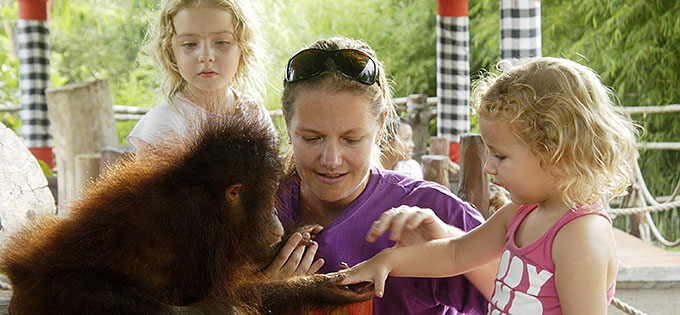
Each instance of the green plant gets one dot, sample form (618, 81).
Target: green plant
(11, 121)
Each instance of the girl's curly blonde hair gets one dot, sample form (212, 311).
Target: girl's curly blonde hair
(249, 77)
(561, 110)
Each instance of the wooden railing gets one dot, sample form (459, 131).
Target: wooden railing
(429, 105)
(419, 109)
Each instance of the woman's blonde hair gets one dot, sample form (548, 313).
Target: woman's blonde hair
(561, 110)
(379, 93)
(249, 77)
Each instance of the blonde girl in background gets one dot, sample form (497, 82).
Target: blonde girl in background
(406, 164)
(559, 145)
(396, 151)
(209, 54)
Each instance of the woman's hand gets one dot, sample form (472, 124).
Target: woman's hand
(296, 256)
(409, 225)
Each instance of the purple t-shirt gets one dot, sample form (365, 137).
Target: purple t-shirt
(344, 241)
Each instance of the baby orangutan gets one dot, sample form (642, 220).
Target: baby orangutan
(182, 229)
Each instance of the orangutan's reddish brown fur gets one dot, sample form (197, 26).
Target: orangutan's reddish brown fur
(184, 229)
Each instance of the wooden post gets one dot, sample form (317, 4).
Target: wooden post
(419, 116)
(634, 199)
(111, 155)
(439, 146)
(636, 221)
(474, 182)
(86, 170)
(436, 169)
(81, 118)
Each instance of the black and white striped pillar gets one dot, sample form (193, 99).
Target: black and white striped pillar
(520, 30)
(453, 73)
(34, 78)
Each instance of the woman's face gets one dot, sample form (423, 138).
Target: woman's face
(333, 134)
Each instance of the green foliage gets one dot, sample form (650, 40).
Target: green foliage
(401, 32)
(11, 121)
(124, 128)
(485, 35)
(45, 168)
(113, 33)
(9, 63)
(633, 45)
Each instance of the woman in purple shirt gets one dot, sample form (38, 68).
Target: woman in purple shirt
(336, 100)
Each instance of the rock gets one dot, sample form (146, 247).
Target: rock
(24, 193)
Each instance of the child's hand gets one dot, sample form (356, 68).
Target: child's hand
(329, 286)
(409, 225)
(374, 270)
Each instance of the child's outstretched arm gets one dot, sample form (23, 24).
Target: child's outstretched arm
(584, 254)
(436, 258)
(429, 259)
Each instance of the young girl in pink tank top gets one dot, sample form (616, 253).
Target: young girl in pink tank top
(561, 148)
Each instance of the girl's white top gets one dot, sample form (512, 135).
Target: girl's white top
(410, 167)
(173, 119)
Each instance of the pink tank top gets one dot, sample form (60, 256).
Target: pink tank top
(525, 282)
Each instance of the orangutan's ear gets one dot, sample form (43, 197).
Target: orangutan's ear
(233, 193)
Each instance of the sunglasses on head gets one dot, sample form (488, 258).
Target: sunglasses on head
(353, 63)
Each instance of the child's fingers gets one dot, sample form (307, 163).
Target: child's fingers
(383, 224)
(353, 276)
(415, 220)
(379, 285)
(376, 230)
(366, 271)
(398, 222)
(349, 276)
